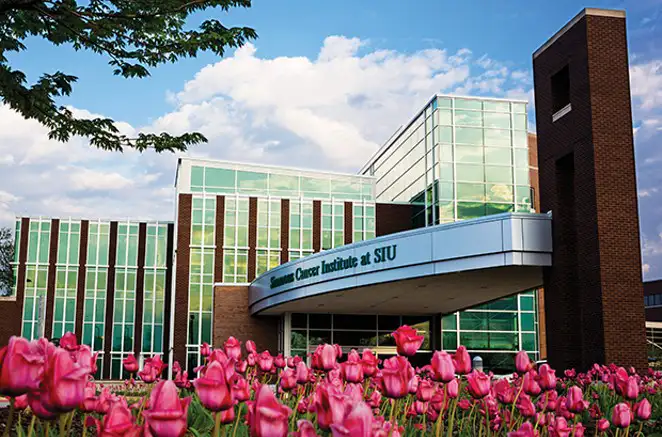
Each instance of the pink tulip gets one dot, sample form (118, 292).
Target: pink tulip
(118, 422)
(357, 423)
(305, 429)
(396, 374)
(530, 385)
(462, 361)
(268, 417)
(218, 355)
(36, 402)
(227, 416)
(352, 370)
(526, 430)
(251, 359)
(176, 368)
(232, 348)
(69, 342)
(21, 367)
(63, 381)
(523, 362)
(525, 406)
(620, 380)
(213, 389)
(21, 402)
(575, 401)
(241, 366)
(279, 362)
(603, 425)
(250, 347)
(547, 378)
(578, 430)
(375, 399)
(265, 361)
(152, 369)
(479, 384)
(105, 400)
(548, 402)
(407, 340)
(504, 392)
(302, 373)
(369, 362)
(167, 413)
(205, 350)
(452, 389)
(288, 379)
(181, 380)
(621, 416)
(425, 390)
(559, 428)
(84, 357)
(464, 404)
(90, 401)
(421, 407)
(325, 357)
(642, 409)
(130, 364)
(240, 389)
(330, 406)
(631, 390)
(442, 367)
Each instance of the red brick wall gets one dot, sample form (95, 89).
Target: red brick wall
(393, 217)
(317, 225)
(284, 230)
(349, 223)
(110, 300)
(140, 290)
(233, 319)
(252, 238)
(182, 277)
(82, 273)
(168, 288)
(593, 291)
(11, 311)
(220, 227)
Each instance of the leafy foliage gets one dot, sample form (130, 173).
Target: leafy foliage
(134, 34)
(6, 258)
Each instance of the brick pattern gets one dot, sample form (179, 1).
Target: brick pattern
(220, 227)
(110, 300)
(284, 230)
(182, 277)
(317, 225)
(349, 223)
(252, 238)
(168, 288)
(232, 303)
(11, 311)
(50, 284)
(594, 297)
(140, 290)
(82, 273)
(533, 170)
(392, 218)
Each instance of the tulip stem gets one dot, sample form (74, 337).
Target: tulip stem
(10, 419)
(31, 428)
(84, 425)
(63, 425)
(512, 409)
(217, 424)
(236, 422)
(487, 418)
(451, 419)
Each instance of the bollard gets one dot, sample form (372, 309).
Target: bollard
(477, 363)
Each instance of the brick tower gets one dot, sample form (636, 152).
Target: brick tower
(593, 292)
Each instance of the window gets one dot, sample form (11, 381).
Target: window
(66, 278)
(268, 235)
(560, 89)
(36, 278)
(201, 276)
(154, 288)
(364, 222)
(333, 224)
(301, 229)
(235, 242)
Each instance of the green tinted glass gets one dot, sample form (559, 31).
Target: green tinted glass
(468, 104)
(469, 135)
(496, 106)
(498, 120)
(468, 118)
(468, 154)
(220, 177)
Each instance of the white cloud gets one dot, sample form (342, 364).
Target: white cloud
(87, 179)
(646, 84)
(647, 193)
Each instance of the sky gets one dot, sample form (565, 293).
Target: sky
(323, 86)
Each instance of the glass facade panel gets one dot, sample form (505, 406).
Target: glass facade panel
(301, 229)
(333, 224)
(268, 235)
(235, 243)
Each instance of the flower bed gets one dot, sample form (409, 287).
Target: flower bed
(239, 393)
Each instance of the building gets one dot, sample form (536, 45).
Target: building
(438, 230)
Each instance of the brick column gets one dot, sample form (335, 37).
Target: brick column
(220, 227)
(252, 237)
(110, 300)
(349, 223)
(182, 278)
(50, 285)
(82, 273)
(317, 225)
(284, 231)
(11, 311)
(593, 291)
(140, 290)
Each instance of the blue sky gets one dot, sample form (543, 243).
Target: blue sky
(293, 96)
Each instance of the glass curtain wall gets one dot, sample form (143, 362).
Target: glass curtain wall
(36, 278)
(66, 278)
(126, 267)
(96, 287)
(333, 224)
(268, 235)
(301, 228)
(235, 240)
(363, 215)
(201, 277)
(154, 288)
